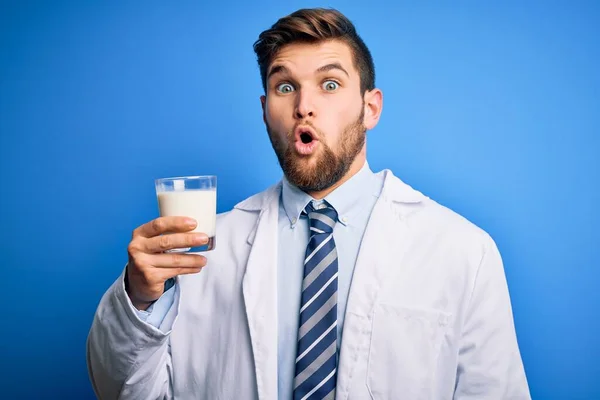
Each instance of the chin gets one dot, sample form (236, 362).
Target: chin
(306, 162)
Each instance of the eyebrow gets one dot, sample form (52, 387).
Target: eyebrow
(332, 66)
(325, 68)
(276, 70)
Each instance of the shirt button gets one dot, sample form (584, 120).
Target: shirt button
(294, 220)
(344, 219)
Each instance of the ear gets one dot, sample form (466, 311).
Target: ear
(263, 103)
(373, 106)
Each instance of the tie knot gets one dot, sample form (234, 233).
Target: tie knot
(321, 218)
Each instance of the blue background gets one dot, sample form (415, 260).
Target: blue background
(492, 110)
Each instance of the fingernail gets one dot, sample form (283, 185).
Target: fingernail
(190, 221)
(202, 238)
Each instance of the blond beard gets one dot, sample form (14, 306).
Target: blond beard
(329, 167)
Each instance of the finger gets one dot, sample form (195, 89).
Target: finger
(173, 272)
(179, 261)
(162, 225)
(172, 241)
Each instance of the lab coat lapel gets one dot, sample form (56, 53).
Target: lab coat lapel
(383, 246)
(260, 289)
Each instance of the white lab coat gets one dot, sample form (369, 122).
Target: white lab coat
(428, 314)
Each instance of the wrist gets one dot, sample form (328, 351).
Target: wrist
(138, 303)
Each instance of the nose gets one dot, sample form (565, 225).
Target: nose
(304, 105)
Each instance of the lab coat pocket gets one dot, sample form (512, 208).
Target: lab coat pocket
(404, 350)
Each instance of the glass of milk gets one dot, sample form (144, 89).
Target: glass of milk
(190, 196)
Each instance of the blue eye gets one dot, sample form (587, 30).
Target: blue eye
(285, 88)
(330, 86)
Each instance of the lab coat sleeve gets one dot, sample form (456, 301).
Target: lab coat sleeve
(128, 358)
(489, 363)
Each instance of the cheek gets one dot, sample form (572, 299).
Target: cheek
(275, 114)
(337, 121)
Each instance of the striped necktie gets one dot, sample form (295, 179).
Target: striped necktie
(316, 361)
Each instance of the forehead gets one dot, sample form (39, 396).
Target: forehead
(303, 58)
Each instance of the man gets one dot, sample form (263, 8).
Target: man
(335, 283)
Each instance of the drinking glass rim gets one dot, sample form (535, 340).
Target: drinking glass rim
(185, 177)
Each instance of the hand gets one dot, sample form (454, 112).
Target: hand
(149, 266)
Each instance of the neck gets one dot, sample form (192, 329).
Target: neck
(357, 164)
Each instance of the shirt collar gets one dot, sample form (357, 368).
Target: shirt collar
(346, 199)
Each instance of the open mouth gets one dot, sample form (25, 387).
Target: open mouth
(306, 137)
(306, 140)
(305, 134)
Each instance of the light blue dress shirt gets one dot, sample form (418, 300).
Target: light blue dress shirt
(353, 201)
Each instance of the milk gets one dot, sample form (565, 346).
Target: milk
(195, 203)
